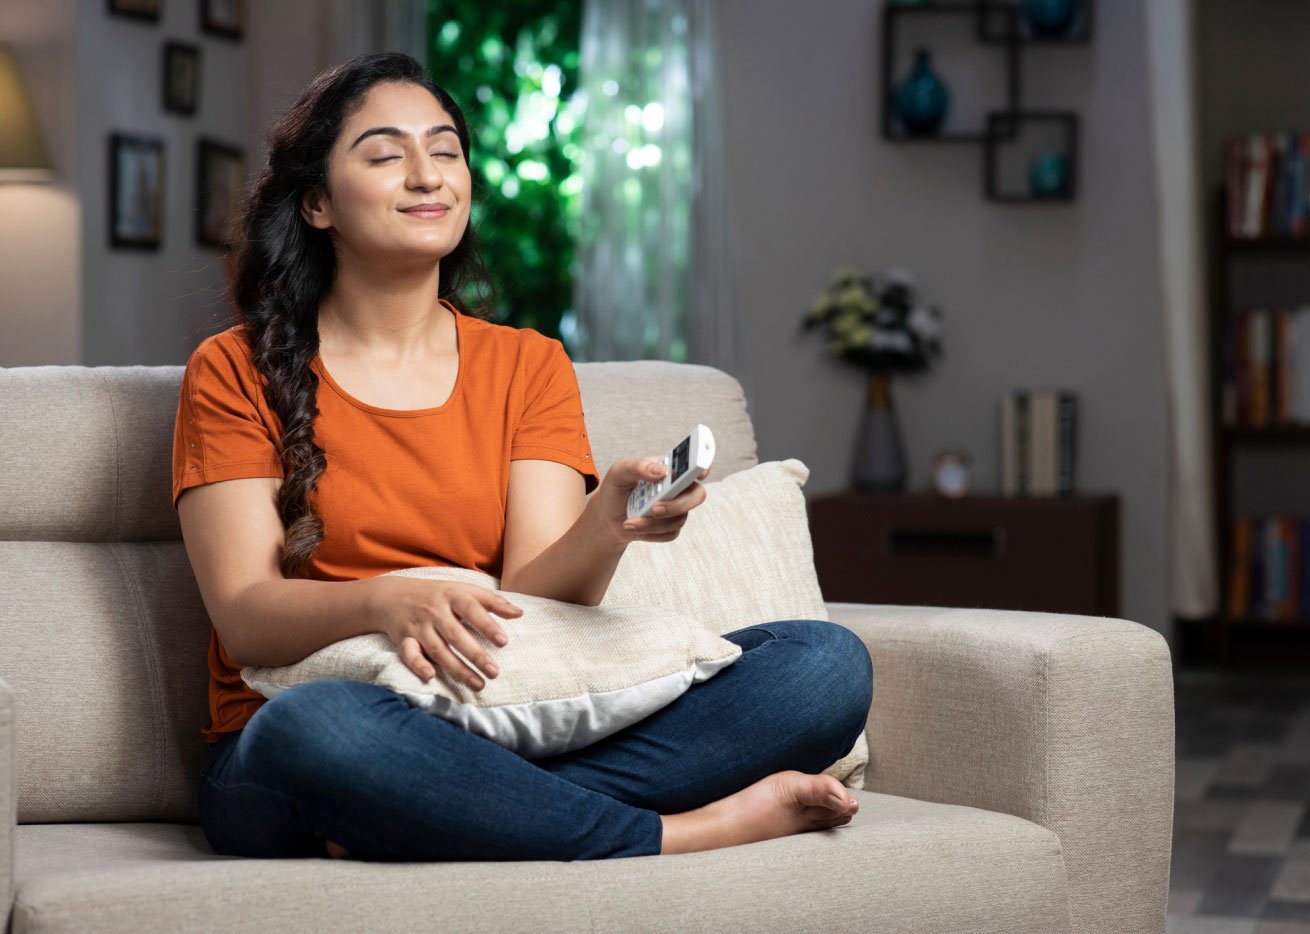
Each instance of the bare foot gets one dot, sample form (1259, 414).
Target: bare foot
(777, 805)
(336, 850)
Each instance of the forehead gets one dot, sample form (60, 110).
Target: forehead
(408, 106)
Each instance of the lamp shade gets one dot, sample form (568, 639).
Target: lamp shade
(22, 156)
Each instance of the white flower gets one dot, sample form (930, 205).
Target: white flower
(923, 321)
(891, 340)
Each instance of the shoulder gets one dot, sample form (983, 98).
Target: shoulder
(532, 348)
(224, 358)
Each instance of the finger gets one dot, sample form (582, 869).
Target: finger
(658, 536)
(448, 633)
(458, 636)
(472, 612)
(497, 604)
(412, 655)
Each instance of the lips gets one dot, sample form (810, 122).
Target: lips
(427, 210)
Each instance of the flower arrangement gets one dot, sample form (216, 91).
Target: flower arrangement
(878, 323)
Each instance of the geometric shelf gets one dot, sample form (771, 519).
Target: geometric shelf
(893, 66)
(1016, 140)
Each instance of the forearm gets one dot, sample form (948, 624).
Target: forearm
(576, 568)
(279, 622)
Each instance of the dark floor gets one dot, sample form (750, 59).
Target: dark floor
(1241, 856)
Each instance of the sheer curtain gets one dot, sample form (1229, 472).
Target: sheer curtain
(1195, 582)
(358, 26)
(654, 253)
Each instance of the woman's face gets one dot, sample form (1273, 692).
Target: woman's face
(388, 160)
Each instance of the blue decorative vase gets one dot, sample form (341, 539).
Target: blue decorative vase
(921, 100)
(1048, 176)
(1050, 18)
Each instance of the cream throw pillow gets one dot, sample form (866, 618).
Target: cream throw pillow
(744, 557)
(570, 675)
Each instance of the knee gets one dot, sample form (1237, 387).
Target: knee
(294, 730)
(843, 668)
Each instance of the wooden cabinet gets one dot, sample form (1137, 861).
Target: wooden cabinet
(1054, 554)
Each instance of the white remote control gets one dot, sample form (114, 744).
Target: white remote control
(689, 458)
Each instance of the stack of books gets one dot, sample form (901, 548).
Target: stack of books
(1038, 431)
(1269, 579)
(1265, 175)
(1266, 361)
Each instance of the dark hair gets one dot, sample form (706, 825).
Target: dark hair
(284, 266)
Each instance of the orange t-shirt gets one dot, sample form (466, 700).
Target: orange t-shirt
(402, 488)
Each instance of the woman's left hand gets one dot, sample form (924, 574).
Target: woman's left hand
(667, 517)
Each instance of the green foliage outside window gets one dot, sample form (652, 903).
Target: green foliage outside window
(513, 68)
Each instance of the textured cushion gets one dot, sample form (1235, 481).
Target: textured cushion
(569, 676)
(743, 558)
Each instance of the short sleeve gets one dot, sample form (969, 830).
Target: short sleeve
(552, 426)
(222, 431)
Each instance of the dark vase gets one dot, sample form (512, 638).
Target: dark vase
(1048, 176)
(922, 99)
(1050, 18)
(879, 457)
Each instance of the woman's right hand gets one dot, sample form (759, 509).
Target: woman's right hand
(424, 618)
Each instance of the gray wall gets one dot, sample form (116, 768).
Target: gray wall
(150, 307)
(1032, 295)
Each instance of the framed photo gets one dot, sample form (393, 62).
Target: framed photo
(136, 191)
(223, 17)
(136, 9)
(220, 181)
(181, 77)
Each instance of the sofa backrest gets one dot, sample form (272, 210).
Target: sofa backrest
(103, 634)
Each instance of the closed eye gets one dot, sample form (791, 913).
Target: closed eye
(448, 155)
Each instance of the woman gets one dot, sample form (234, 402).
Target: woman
(430, 435)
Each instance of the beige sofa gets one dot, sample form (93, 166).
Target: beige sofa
(1020, 775)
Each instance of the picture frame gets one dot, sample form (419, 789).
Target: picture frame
(147, 10)
(136, 191)
(220, 183)
(181, 77)
(226, 18)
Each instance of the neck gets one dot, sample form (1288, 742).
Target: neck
(384, 313)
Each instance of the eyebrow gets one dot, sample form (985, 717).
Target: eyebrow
(398, 133)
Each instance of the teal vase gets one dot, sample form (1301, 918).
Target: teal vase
(1048, 176)
(1050, 18)
(922, 99)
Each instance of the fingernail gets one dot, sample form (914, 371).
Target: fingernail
(501, 640)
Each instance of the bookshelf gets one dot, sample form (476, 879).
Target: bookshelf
(1241, 639)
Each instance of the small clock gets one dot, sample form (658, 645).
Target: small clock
(950, 473)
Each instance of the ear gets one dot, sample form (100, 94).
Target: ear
(314, 210)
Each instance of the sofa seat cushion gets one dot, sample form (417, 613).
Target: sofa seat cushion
(901, 864)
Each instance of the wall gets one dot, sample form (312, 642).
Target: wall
(40, 265)
(150, 307)
(1032, 295)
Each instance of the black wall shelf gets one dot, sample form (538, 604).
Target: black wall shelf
(995, 23)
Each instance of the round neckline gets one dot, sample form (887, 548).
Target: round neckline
(460, 349)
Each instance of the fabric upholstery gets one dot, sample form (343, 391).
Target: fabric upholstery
(901, 865)
(1019, 774)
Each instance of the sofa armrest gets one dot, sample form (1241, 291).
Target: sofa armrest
(1064, 720)
(8, 803)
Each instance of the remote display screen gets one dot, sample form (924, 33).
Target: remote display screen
(679, 460)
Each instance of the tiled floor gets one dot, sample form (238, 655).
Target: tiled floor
(1241, 856)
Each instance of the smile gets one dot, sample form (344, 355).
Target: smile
(430, 213)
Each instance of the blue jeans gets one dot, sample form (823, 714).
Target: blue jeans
(356, 764)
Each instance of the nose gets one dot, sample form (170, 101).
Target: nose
(426, 173)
